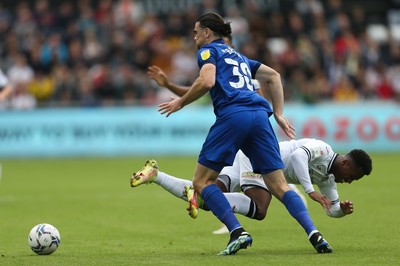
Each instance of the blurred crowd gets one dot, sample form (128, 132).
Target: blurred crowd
(95, 53)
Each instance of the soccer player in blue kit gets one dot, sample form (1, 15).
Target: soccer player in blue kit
(242, 122)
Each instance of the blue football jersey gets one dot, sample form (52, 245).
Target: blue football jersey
(233, 90)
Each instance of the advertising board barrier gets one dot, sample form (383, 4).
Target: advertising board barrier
(117, 131)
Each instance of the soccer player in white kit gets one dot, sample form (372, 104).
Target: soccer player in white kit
(308, 162)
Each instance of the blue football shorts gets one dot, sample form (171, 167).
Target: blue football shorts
(250, 131)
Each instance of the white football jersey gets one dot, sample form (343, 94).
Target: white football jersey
(320, 157)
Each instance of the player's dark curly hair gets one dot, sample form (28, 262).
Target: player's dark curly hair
(216, 23)
(362, 159)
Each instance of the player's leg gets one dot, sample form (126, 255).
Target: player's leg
(239, 202)
(253, 186)
(295, 189)
(182, 188)
(219, 150)
(253, 203)
(240, 177)
(194, 199)
(146, 175)
(263, 151)
(178, 187)
(261, 199)
(293, 203)
(204, 184)
(175, 186)
(255, 200)
(223, 182)
(150, 174)
(229, 181)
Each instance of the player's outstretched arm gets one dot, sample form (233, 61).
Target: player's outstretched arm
(159, 76)
(322, 199)
(201, 85)
(329, 189)
(300, 163)
(274, 90)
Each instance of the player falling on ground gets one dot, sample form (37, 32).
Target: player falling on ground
(308, 162)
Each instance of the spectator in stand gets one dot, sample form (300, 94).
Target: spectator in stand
(127, 12)
(344, 90)
(20, 74)
(53, 51)
(44, 17)
(65, 86)
(24, 27)
(41, 87)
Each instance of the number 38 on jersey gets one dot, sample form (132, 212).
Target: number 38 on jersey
(243, 74)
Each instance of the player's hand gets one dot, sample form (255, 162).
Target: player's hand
(158, 75)
(347, 207)
(171, 106)
(322, 199)
(286, 126)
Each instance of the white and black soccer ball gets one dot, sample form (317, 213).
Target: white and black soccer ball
(44, 239)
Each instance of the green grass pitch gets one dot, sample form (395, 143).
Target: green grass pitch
(103, 221)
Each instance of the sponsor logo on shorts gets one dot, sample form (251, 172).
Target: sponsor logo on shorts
(251, 175)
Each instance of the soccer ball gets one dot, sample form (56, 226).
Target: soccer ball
(44, 239)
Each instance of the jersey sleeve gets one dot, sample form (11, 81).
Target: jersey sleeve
(329, 189)
(206, 55)
(254, 66)
(336, 211)
(300, 159)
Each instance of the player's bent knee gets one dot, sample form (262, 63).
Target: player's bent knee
(261, 199)
(260, 215)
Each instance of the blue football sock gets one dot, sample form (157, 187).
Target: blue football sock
(298, 210)
(219, 205)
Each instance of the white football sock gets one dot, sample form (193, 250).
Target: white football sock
(241, 204)
(174, 185)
